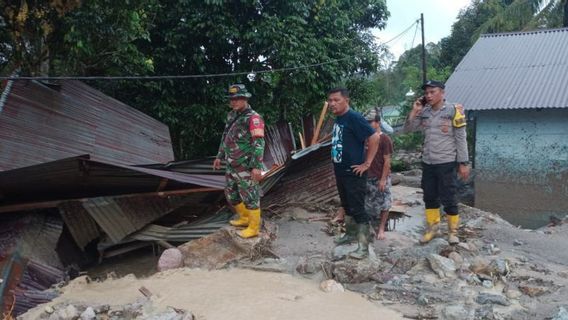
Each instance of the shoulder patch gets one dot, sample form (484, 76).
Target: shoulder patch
(256, 126)
(459, 116)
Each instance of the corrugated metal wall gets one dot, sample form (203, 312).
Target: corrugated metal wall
(40, 124)
(521, 164)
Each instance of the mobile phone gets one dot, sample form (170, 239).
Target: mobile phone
(422, 100)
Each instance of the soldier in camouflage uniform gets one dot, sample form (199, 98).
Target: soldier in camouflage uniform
(242, 148)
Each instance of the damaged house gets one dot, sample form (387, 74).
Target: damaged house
(84, 177)
(71, 188)
(514, 87)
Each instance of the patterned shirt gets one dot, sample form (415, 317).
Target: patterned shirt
(242, 145)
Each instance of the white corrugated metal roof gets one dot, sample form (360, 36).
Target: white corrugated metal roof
(513, 71)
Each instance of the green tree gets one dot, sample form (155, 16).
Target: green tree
(211, 37)
(150, 37)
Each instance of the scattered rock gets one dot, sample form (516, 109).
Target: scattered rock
(486, 298)
(468, 276)
(499, 266)
(484, 277)
(331, 286)
(382, 277)
(457, 313)
(355, 271)
(142, 309)
(513, 294)
(561, 315)
(49, 310)
(365, 288)
(518, 243)
(444, 267)
(487, 284)
(533, 291)
(464, 246)
(563, 274)
(88, 314)
(103, 308)
(68, 313)
(422, 300)
(494, 250)
(479, 265)
(456, 258)
(171, 258)
(485, 312)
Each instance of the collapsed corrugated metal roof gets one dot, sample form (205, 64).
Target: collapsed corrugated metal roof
(309, 178)
(28, 264)
(39, 124)
(80, 177)
(513, 71)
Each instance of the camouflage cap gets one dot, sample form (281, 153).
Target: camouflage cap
(238, 91)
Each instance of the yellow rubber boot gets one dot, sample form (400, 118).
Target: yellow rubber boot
(253, 226)
(432, 225)
(453, 223)
(243, 219)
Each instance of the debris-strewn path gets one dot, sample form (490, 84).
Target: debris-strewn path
(497, 272)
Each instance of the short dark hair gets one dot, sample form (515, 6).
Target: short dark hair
(343, 91)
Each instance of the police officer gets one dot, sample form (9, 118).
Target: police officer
(242, 148)
(445, 153)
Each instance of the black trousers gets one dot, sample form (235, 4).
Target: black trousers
(352, 189)
(439, 182)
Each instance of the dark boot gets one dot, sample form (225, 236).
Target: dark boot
(350, 232)
(363, 233)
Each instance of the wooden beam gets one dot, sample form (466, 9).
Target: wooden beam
(302, 142)
(320, 122)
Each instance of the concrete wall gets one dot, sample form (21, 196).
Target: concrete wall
(521, 164)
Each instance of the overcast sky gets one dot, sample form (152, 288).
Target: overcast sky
(439, 15)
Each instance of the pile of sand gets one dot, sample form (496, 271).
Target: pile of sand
(228, 294)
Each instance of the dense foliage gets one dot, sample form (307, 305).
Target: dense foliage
(198, 37)
(150, 37)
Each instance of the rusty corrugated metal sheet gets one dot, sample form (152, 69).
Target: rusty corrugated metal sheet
(119, 217)
(516, 70)
(40, 124)
(186, 232)
(310, 178)
(279, 144)
(82, 226)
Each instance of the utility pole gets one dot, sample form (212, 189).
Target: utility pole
(423, 49)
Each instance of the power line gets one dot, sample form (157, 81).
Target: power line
(190, 76)
(402, 33)
(414, 37)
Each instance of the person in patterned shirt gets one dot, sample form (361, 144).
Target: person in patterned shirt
(242, 148)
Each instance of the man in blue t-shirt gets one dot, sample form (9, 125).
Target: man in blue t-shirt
(350, 131)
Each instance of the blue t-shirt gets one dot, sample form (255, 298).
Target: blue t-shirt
(348, 140)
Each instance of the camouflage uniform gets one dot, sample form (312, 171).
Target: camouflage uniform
(242, 147)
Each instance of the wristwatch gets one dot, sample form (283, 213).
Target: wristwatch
(464, 163)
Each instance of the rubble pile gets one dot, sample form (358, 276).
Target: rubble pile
(142, 309)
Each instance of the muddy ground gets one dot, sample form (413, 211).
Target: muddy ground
(498, 272)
